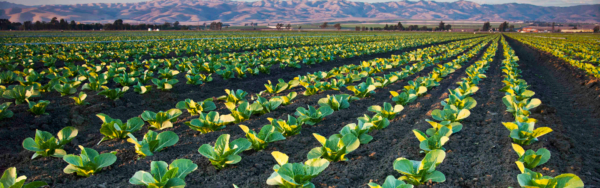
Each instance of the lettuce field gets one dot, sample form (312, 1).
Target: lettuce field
(299, 109)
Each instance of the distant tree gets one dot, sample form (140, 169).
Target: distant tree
(176, 25)
(442, 25)
(299, 27)
(424, 28)
(219, 25)
(73, 25)
(5, 24)
(512, 28)
(27, 25)
(278, 26)
(400, 27)
(63, 24)
(371, 28)
(486, 26)
(386, 27)
(323, 26)
(596, 29)
(357, 28)
(552, 26)
(575, 27)
(503, 26)
(448, 27)
(337, 26)
(54, 23)
(288, 26)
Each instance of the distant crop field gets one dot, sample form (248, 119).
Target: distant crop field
(299, 109)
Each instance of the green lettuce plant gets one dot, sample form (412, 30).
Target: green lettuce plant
(161, 120)
(224, 153)
(403, 98)
(21, 94)
(141, 88)
(421, 172)
(80, 99)
(532, 179)
(113, 94)
(88, 163)
(337, 102)
(312, 116)
(262, 139)
(243, 111)
(391, 182)
(116, 129)
(45, 144)
(530, 158)
(267, 105)
(164, 84)
(10, 180)
(295, 175)
(377, 121)
(433, 141)
(195, 108)
(235, 97)
(522, 131)
(362, 90)
(359, 130)
(286, 99)
(163, 175)
(4, 111)
(209, 122)
(38, 108)
(387, 111)
(153, 142)
(288, 128)
(335, 148)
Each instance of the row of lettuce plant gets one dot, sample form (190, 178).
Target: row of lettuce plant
(587, 60)
(519, 101)
(446, 121)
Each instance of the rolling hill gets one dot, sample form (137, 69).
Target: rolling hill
(296, 11)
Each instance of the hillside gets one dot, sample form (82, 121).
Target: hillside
(159, 11)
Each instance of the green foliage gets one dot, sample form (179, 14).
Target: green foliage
(4, 111)
(267, 105)
(161, 120)
(261, 139)
(335, 148)
(532, 179)
(337, 102)
(153, 142)
(295, 175)
(38, 108)
(459, 100)
(243, 111)
(21, 94)
(195, 108)
(287, 99)
(450, 113)
(45, 144)
(421, 172)
(210, 122)
(359, 131)
(433, 141)
(80, 99)
(362, 90)
(235, 97)
(377, 121)
(88, 163)
(162, 175)
(10, 180)
(530, 158)
(520, 107)
(164, 84)
(387, 111)
(113, 94)
(288, 128)
(403, 98)
(141, 89)
(312, 116)
(116, 129)
(280, 87)
(224, 153)
(522, 130)
(391, 182)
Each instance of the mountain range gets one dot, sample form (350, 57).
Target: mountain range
(296, 11)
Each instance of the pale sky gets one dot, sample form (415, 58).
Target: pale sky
(534, 2)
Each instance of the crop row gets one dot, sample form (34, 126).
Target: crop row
(586, 60)
(519, 101)
(154, 142)
(445, 122)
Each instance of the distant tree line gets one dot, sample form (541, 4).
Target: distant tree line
(62, 24)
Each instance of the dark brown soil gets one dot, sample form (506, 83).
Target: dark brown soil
(479, 156)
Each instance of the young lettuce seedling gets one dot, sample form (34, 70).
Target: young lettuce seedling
(522, 131)
(421, 172)
(210, 122)
(387, 111)
(312, 116)
(243, 111)
(337, 102)
(224, 153)
(262, 139)
(195, 108)
(286, 100)
(235, 97)
(153, 142)
(529, 178)
(362, 90)
(21, 94)
(116, 129)
(295, 175)
(47, 145)
(288, 128)
(88, 163)
(335, 148)
(530, 158)
(162, 175)
(161, 120)
(38, 108)
(80, 99)
(359, 131)
(391, 182)
(4, 111)
(113, 94)
(403, 98)
(10, 180)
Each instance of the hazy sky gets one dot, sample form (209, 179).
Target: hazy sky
(535, 2)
